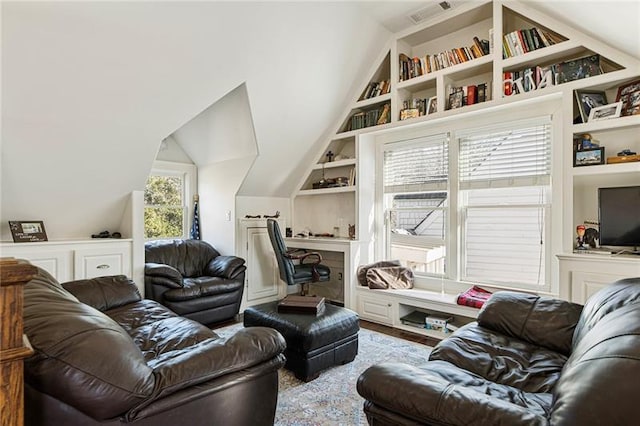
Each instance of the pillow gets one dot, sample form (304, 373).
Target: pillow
(393, 277)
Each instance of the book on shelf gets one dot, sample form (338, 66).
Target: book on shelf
(375, 88)
(474, 297)
(371, 117)
(469, 95)
(519, 42)
(411, 67)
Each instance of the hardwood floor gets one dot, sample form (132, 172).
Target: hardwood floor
(400, 334)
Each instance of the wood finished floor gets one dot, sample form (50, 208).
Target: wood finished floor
(394, 332)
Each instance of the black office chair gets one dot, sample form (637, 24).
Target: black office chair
(309, 270)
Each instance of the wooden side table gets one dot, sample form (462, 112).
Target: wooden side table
(14, 345)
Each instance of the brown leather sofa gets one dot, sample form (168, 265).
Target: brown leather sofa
(104, 356)
(528, 360)
(192, 279)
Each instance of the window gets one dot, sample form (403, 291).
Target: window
(415, 197)
(504, 179)
(489, 221)
(167, 196)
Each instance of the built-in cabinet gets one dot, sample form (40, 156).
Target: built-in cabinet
(77, 259)
(512, 80)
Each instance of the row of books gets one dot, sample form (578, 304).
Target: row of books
(469, 95)
(376, 88)
(534, 78)
(372, 117)
(416, 66)
(519, 42)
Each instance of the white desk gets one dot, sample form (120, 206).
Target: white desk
(351, 250)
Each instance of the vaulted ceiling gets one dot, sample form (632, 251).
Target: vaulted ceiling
(89, 89)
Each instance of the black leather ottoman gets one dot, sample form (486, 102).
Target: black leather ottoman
(313, 342)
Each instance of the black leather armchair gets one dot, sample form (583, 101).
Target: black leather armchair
(308, 270)
(192, 279)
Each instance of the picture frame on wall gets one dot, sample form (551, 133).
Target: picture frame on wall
(27, 231)
(629, 95)
(588, 157)
(588, 99)
(605, 112)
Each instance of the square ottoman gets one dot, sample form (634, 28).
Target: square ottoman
(314, 343)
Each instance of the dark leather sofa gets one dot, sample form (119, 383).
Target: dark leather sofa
(528, 360)
(192, 279)
(104, 356)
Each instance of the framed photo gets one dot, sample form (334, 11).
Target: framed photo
(588, 99)
(605, 112)
(432, 105)
(577, 69)
(456, 99)
(27, 231)
(629, 95)
(588, 157)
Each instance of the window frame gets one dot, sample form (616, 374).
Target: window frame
(188, 172)
(452, 282)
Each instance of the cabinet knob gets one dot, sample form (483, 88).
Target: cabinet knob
(103, 266)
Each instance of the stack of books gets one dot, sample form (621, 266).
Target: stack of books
(293, 304)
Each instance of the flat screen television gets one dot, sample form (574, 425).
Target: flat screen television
(619, 216)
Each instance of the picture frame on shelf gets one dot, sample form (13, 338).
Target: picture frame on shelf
(588, 157)
(432, 105)
(27, 231)
(629, 95)
(605, 112)
(588, 99)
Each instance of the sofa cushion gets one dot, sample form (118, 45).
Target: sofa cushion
(104, 292)
(539, 320)
(501, 359)
(194, 288)
(68, 337)
(441, 394)
(604, 302)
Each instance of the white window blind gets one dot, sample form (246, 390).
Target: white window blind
(514, 154)
(417, 166)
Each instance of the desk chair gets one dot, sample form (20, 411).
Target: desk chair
(308, 270)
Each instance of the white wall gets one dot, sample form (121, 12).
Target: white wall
(170, 150)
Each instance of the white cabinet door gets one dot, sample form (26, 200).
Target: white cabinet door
(586, 284)
(376, 309)
(91, 263)
(54, 260)
(262, 269)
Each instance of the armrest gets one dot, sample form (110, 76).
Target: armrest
(427, 398)
(543, 321)
(104, 293)
(215, 358)
(162, 274)
(225, 266)
(304, 256)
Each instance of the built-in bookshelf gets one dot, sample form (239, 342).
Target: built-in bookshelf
(462, 62)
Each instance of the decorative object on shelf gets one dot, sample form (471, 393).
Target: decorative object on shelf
(456, 98)
(591, 235)
(249, 216)
(274, 216)
(580, 230)
(577, 69)
(288, 232)
(352, 232)
(605, 112)
(588, 99)
(384, 114)
(585, 141)
(107, 234)
(27, 231)
(588, 157)
(629, 95)
(624, 156)
(329, 156)
(432, 105)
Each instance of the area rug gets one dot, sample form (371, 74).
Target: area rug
(332, 399)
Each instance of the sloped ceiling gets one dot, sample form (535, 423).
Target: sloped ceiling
(89, 89)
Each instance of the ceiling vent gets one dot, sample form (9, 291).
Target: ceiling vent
(428, 12)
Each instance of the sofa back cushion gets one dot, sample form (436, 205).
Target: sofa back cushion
(604, 302)
(82, 357)
(189, 257)
(104, 293)
(599, 380)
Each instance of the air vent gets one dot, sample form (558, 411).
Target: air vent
(428, 12)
